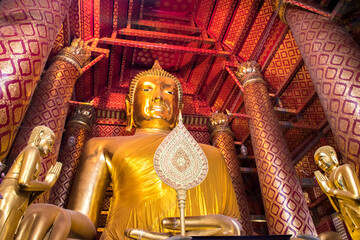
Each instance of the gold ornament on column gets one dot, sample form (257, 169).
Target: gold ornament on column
(78, 54)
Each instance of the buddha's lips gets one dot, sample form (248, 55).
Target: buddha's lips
(158, 108)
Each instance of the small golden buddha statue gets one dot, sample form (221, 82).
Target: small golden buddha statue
(342, 187)
(140, 199)
(19, 187)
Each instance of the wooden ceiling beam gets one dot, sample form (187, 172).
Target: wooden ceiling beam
(156, 24)
(161, 14)
(164, 36)
(301, 150)
(274, 49)
(162, 47)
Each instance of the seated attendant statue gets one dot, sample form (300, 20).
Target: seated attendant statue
(140, 199)
(342, 187)
(20, 186)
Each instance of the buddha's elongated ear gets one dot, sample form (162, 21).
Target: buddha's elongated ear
(178, 118)
(334, 156)
(38, 137)
(129, 114)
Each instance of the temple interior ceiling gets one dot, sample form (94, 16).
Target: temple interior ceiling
(202, 42)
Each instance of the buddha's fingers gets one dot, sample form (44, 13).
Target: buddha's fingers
(57, 168)
(145, 235)
(215, 224)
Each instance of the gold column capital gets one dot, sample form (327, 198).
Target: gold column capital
(219, 122)
(82, 115)
(78, 54)
(250, 72)
(282, 9)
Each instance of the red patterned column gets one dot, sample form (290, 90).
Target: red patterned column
(78, 131)
(223, 138)
(27, 32)
(49, 104)
(332, 58)
(285, 206)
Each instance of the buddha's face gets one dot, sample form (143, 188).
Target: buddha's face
(45, 144)
(325, 161)
(155, 103)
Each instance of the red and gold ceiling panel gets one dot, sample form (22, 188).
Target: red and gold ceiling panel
(284, 60)
(224, 93)
(284, 116)
(179, 8)
(74, 18)
(295, 136)
(277, 33)
(185, 63)
(86, 19)
(237, 23)
(197, 76)
(147, 57)
(306, 166)
(314, 113)
(256, 30)
(204, 11)
(105, 19)
(220, 15)
(298, 91)
(234, 100)
(240, 127)
(212, 78)
(114, 100)
(59, 42)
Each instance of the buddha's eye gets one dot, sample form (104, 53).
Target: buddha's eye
(146, 89)
(170, 92)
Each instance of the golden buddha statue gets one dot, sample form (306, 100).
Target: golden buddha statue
(19, 187)
(342, 187)
(140, 199)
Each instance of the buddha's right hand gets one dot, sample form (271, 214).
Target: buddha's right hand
(207, 225)
(46, 221)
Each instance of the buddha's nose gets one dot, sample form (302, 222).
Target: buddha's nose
(157, 96)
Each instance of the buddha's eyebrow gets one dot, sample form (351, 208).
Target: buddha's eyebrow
(169, 86)
(147, 84)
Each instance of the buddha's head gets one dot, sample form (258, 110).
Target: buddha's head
(326, 158)
(43, 138)
(154, 100)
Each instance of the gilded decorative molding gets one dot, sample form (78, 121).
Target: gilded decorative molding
(250, 72)
(83, 115)
(78, 54)
(219, 122)
(281, 9)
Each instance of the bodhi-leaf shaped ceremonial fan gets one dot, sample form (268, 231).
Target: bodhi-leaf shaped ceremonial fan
(180, 163)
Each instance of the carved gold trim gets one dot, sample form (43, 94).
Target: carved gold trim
(221, 129)
(252, 78)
